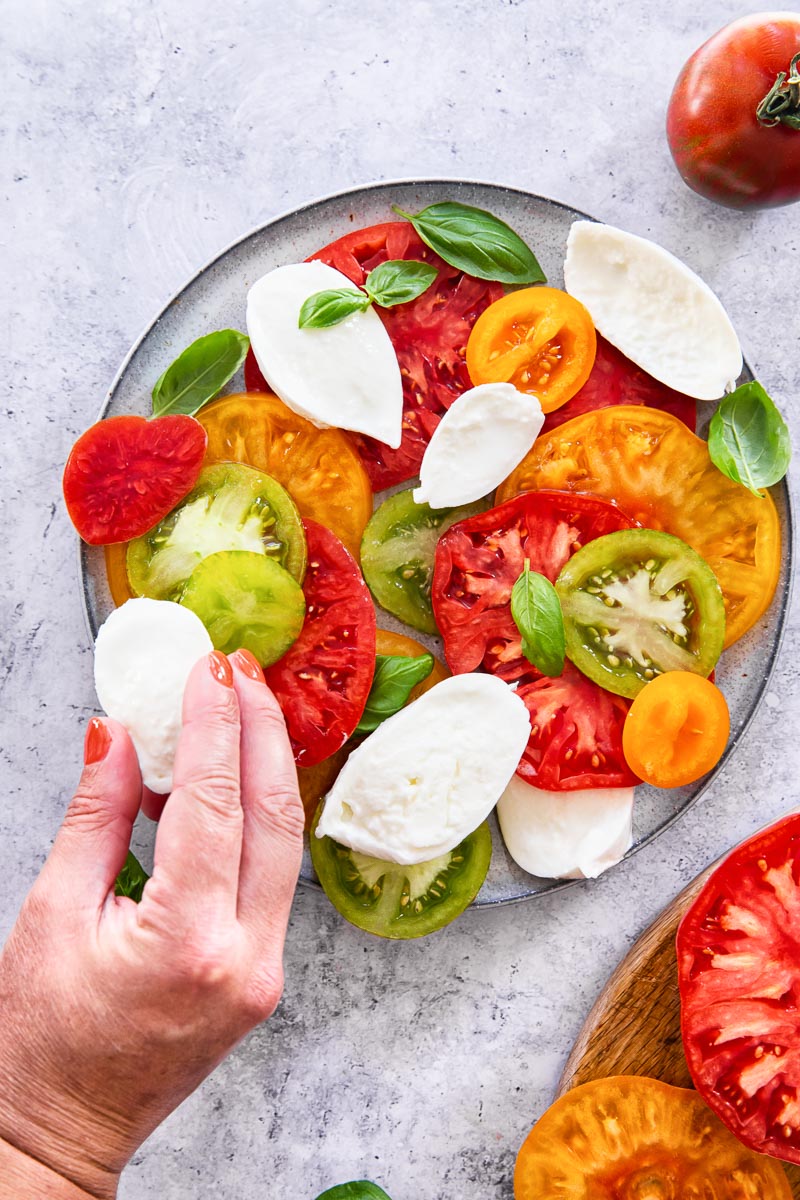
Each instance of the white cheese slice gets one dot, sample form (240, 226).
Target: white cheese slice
(142, 658)
(653, 308)
(565, 835)
(477, 443)
(346, 375)
(428, 776)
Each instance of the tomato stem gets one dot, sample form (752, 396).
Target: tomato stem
(781, 105)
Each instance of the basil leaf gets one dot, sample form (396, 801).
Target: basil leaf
(395, 676)
(131, 879)
(398, 281)
(536, 610)
(330, 307)
(200, 373)
(474, 241)
(748, 439)
(360, 1189)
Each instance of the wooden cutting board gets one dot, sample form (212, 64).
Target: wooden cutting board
(635, 1026)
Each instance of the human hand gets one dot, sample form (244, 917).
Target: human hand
(111, 1013)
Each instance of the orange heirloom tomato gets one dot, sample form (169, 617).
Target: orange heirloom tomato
(661, 475)
(633, 1138)
(117, 572)
(540, 339)
(676, 729)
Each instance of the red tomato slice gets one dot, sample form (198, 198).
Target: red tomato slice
(614, 379)
(429, 336)
(479, 560)
(739, 975)
(322, 683)
(254, 381)
(124, 474)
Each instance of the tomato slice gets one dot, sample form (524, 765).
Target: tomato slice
(479, 560)
(614, 379)
(540, 339)
(429, 336)
(125, 473)
(676, 730)
(632, 1138)
(323, 682)
(662, 475)
(319, 468)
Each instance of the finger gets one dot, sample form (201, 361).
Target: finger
(91, 845)
(272, 845)
(199, 840)
(153, 803)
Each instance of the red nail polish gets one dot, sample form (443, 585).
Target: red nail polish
(96, 742)
(249, 664)
(220, 668)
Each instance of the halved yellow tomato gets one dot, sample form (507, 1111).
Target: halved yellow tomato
(633, 1138)
(540, 339)
(661, 475)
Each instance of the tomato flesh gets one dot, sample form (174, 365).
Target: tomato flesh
(676, 730)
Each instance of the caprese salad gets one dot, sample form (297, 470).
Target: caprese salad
(544, 507)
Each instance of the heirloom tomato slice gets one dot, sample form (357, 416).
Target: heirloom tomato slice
(429, 336)
(633, 1138)
(661, 474)
(125, 473)
(539, 339)
(739, 976)
(323, 682)
(319, 468)
(676, 730)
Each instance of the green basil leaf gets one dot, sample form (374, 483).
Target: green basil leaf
(131, 879)
(748, 439)
(395, 676)
(536, 610)
(360, 1189)
(330, 307)
(398, 281)
(200, 373)
(474, 241)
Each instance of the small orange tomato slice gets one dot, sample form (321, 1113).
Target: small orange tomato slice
(676, 729)
(116, 557)
(633, 1138)
(540, 339)
(397, 643)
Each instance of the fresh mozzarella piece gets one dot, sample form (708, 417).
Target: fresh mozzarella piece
(565, 835)
(653, 308)
(428, 776)
(142, 658)
(477, 443)
(346, 375)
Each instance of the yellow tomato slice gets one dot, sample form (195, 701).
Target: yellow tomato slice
(661, 474)
(633, 1138)
(676, 729)
(319, 468)
(540, 339)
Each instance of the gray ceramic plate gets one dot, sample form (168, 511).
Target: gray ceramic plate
(215, 299)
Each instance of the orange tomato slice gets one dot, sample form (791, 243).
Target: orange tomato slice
(116, 557)
(661, 475)
(676, 729)
(540, 339)
(633, 1138)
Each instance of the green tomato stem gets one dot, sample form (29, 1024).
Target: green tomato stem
(781, 105)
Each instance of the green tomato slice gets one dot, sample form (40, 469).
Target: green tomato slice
(397, 553)
(638, 603)
(246, 600)
(401, 902)
(232, 507)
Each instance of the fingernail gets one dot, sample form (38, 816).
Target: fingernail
(249, 664)
(96, 742)
(220, 668)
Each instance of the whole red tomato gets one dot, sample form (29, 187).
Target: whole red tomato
(733, 122)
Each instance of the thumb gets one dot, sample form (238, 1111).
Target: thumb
(90, 848)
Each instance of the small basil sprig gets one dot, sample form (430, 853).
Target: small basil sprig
(131, 879)
(474, 241)
(395, 676)
(536, 610)
(199, 373)
(394, 282)
(748, 439)
(359, 1189)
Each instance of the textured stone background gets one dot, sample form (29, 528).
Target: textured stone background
(139, 139)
